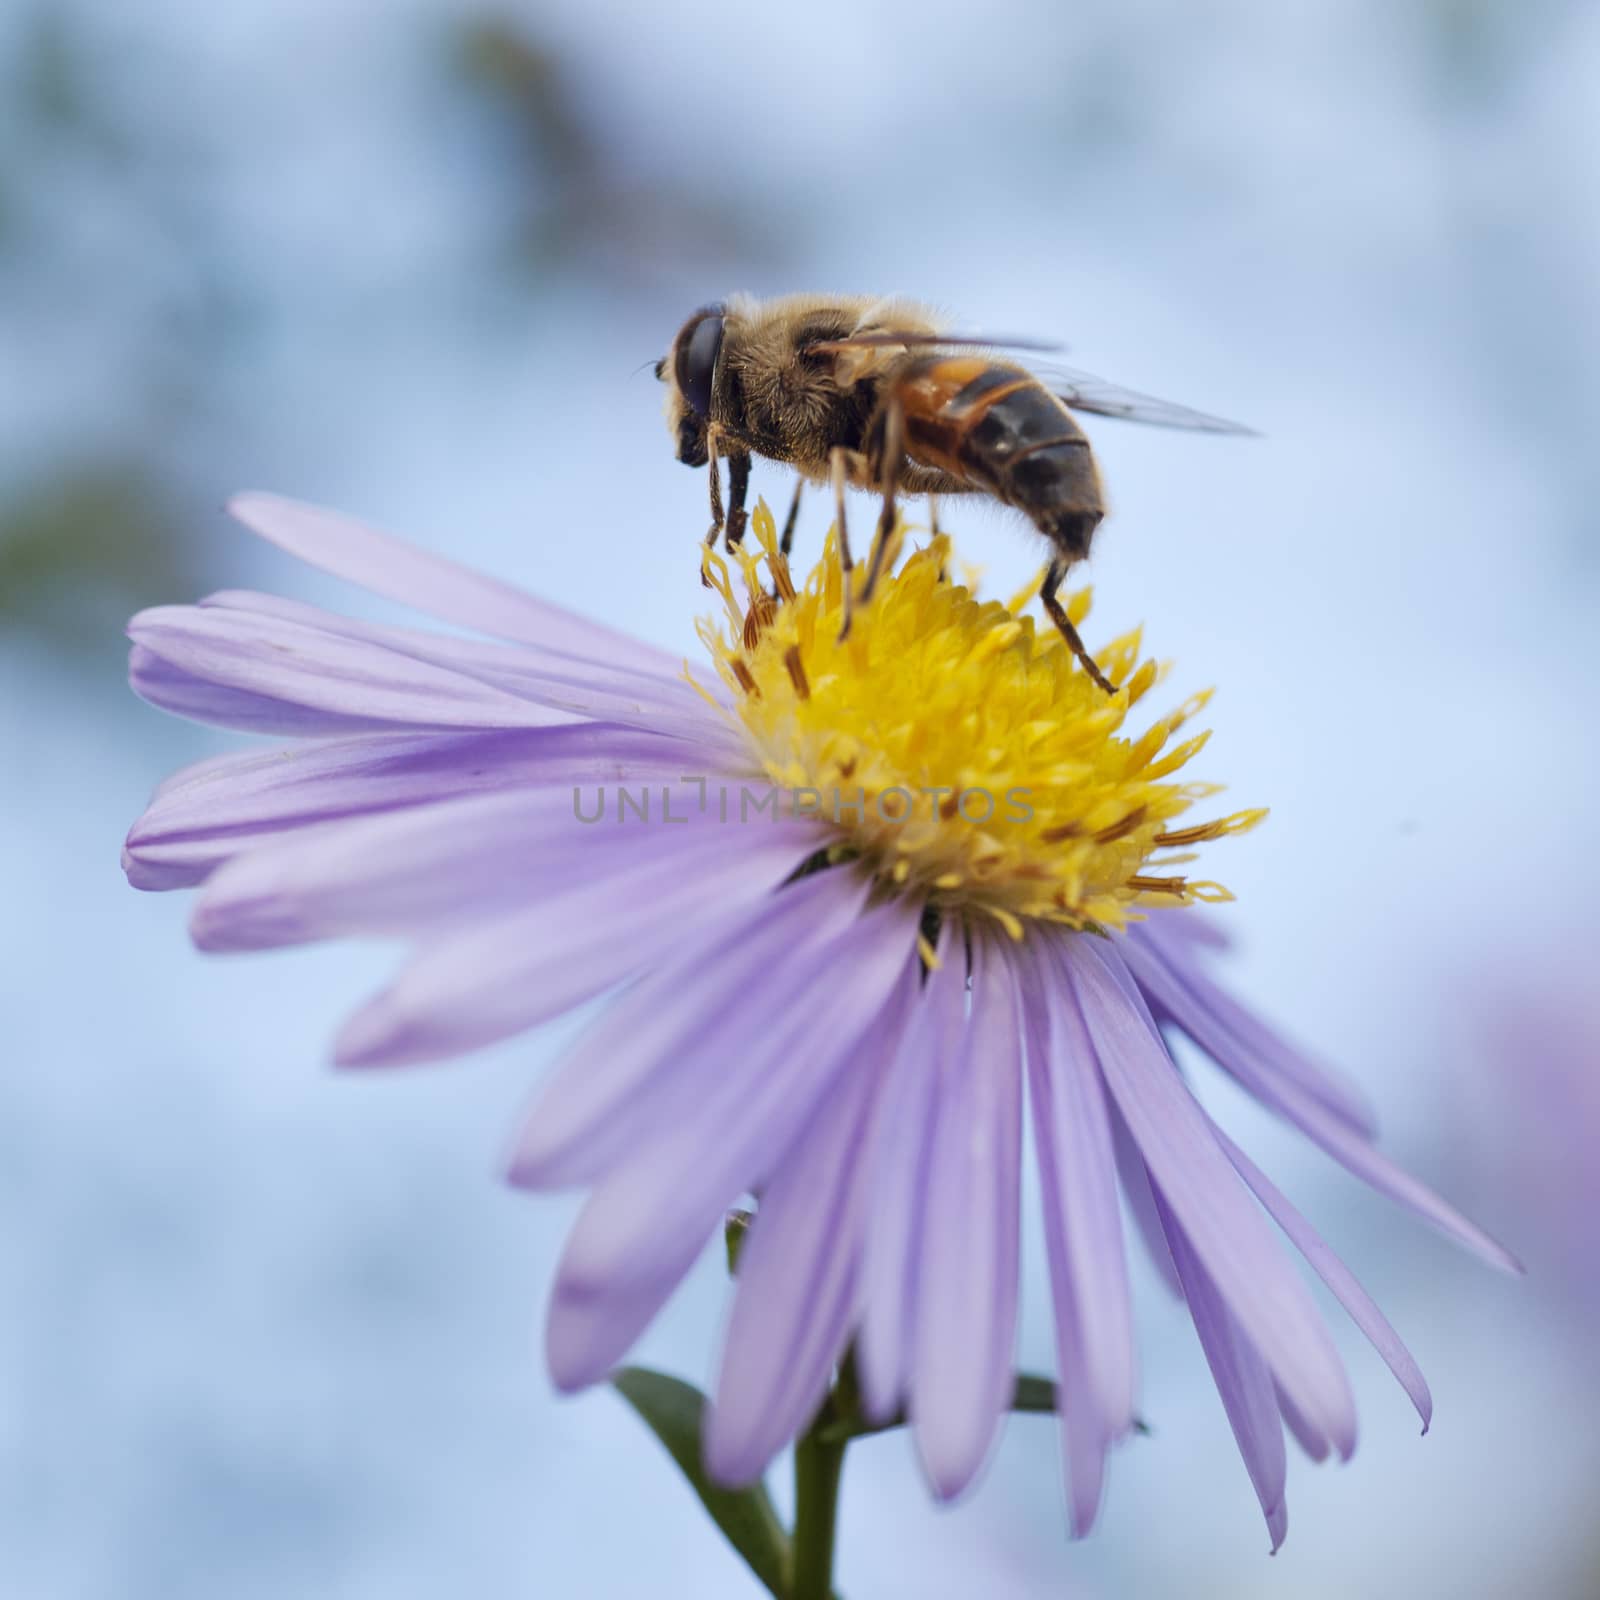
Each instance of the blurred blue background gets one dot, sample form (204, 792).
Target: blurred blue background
(273, 1331)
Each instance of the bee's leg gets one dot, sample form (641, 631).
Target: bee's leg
(738, 487)
(714, 476)
(786, 543)
(894, 430)
(836, 470)
(1058, 615)
(714, 480)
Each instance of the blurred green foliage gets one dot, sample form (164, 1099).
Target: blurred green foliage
(569, 194)
(85, 545)
(137, 293)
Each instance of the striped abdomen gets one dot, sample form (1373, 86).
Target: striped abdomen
(1000, 428)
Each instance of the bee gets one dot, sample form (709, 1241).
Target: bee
(875, 394)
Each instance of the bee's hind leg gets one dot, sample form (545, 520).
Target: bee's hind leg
(1058, 615)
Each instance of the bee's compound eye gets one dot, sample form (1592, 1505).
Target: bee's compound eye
(697, 362)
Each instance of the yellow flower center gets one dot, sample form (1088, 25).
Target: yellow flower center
(957, 748)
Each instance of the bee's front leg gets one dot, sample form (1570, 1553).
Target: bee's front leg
(738, 487)
(714, 477)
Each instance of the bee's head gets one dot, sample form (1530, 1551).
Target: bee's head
(689, 371)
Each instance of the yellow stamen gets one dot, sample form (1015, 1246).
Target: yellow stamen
(757, 617)
(961, 752)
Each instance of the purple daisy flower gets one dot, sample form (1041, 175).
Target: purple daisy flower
(857, 902)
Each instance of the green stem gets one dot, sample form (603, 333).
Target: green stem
(818, 1466)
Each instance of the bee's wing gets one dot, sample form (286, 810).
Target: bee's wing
(880, 338)
(1082, 391)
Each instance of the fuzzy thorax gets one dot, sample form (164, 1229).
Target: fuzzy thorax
(955, 747)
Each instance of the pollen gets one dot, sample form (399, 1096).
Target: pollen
(954, 746)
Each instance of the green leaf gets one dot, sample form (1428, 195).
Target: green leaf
(675, 1411)
(734, 1228)
(1032, 1394)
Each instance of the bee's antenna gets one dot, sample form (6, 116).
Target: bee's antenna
(649, 361)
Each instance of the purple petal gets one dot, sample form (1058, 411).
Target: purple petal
(728, 1134)
(1083, 1235)
(499, 977)
(1305, 1435)
(1197, 1183)
(651, 700)
(444, 589)
(424, 869)
(1249, 1036)
(966, 1318)
(1363, 1309)
(799, 1266)
(217, 809)
(172, 689)
(586, 1334)
(740, 1114)
(1142, 1201)
(639, 1061)
(1172, 997)
(1187, 926)
(1085, 1439)
(1241, 1376)
(326, 672)
(1073, 1130)
(890, 1264)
